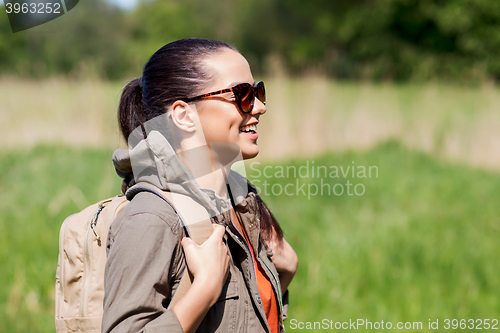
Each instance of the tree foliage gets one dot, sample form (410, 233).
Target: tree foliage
(346, 39)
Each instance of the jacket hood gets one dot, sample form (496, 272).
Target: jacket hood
(151, 159)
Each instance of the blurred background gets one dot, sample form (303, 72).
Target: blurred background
(408, 86)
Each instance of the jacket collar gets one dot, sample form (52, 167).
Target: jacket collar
(152, 160)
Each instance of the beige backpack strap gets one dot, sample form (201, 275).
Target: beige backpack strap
(198, 232)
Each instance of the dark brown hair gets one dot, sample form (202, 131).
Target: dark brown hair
(269, 226)
(176, 72)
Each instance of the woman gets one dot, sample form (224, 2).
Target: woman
(188, 118)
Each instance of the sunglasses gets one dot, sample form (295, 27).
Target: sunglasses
(244, 94)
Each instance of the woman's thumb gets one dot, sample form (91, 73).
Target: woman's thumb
(187, 242)
(218, 231)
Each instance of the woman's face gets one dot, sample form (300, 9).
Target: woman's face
(220, 117)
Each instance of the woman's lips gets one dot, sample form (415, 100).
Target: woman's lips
(250, 131)
(251, 135)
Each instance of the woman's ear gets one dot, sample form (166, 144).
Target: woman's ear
(183, 116)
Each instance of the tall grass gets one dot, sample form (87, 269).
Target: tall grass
(420, 243)
(305, 116)
(77, 113)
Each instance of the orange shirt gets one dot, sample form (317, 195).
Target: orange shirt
(266, 292)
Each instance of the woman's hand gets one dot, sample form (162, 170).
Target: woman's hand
(285, 260)
(208, 263)
(209, 266)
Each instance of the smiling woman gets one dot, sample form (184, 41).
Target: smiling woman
(219, 121)
(191, 115)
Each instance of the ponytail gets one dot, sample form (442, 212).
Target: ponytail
(131, 109)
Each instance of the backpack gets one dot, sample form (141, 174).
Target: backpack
(79, 291)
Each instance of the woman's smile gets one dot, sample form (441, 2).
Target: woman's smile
(250, 130)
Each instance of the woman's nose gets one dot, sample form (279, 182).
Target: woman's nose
(259, 108)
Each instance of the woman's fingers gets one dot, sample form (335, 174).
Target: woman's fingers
(284, 257)
(285, 260)
(188, 245)
(217, 237)
(218, 233)
(208, 262)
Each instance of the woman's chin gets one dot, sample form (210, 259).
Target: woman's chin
(250, 153)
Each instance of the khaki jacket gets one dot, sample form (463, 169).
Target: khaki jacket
(145, 260)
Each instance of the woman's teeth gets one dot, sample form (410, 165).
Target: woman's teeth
(249, 128)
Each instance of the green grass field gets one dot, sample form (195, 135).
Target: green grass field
(421, 242)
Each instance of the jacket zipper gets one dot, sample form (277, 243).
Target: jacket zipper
(276, 280)
(247, 245)
(241, 240)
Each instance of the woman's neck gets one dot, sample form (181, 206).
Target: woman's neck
(215, 180)
(207, 172)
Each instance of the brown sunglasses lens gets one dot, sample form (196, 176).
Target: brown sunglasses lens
(246, 99)
(261, 92)
(246, 96)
